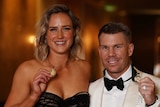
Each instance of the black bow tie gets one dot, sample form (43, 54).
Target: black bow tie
(110, 83)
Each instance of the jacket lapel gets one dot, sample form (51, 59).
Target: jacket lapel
(131, 95)
(96, 97)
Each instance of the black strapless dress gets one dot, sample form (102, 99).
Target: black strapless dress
(47, 99)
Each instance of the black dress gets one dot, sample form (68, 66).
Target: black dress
(47, 99)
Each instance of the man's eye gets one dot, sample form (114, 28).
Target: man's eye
(117, 46)
(105, 47)
(66, 28)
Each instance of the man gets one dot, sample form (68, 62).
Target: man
(134, 88)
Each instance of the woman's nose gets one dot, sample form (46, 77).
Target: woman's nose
(60, 34)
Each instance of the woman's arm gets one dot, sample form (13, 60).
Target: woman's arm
(28, 84)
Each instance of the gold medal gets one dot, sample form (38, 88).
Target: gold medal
(137, 78)
(53, 72)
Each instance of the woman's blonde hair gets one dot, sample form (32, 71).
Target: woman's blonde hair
(42, 48)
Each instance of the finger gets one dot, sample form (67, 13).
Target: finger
(146, 87)
(44, 72)
(146, 79)
(146, 82)
(42, 76)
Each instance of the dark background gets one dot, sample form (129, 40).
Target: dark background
(18, 19)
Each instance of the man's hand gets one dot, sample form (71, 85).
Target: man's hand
(147, 90)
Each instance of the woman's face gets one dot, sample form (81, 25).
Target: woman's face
(60, 33)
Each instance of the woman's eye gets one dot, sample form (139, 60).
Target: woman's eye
(52, 29)
(104, 47)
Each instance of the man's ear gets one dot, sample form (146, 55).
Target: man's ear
(130, 49)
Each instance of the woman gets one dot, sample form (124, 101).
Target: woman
(57, 77)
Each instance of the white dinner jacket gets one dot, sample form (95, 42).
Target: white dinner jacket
(96, 93)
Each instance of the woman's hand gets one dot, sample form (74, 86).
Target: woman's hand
(40, 81)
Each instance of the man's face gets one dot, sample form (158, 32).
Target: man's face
(115, 52)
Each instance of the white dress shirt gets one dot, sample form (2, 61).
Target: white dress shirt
(115, 97)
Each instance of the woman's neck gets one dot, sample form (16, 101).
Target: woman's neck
(57, 61)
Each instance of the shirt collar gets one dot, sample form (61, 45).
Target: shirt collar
(127, 74)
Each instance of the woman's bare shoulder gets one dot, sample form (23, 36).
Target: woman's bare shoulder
(28, 67)
(84, 66)
(30, 62)
(83, 62)
(22, 81)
